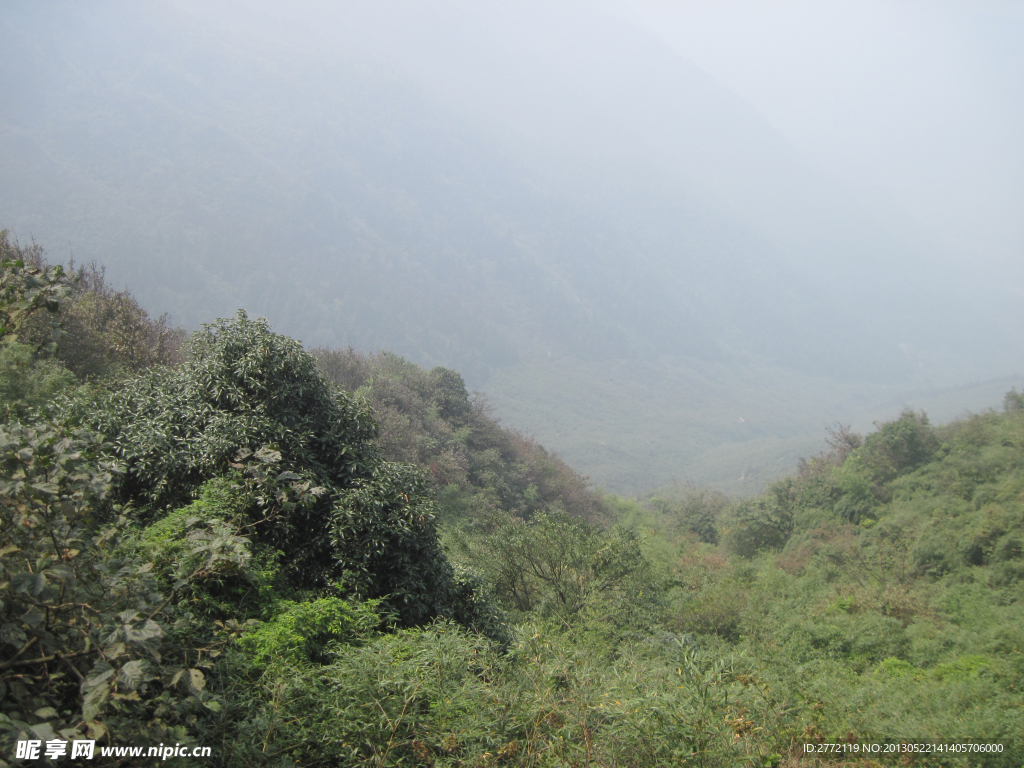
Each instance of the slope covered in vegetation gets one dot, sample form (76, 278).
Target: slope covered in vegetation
(337, 559)
(882, 589)
(477, 466)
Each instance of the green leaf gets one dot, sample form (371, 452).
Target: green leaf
(100, 673)
(176, 678)
(44, 731)
(268, 455)
(132, 674)
(114, 650)
(33, 583)
(147, 631)
(95, 699)
(12, 634)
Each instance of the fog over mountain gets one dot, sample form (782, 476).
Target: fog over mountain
(660, 237)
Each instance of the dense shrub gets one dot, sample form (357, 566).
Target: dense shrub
(106, 333)
(28, 383)
(763, 523)
(899, 446)
(249, 396)
(29, 289)
(558, 565)
(95, 644)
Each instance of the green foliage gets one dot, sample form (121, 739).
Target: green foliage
(307, 632)
(440, 696)
(1013, 401)
(242, 388)
(698, 512)
(885, 619)
(25, 289)
(448, 393)
(713, 598)
(476, 467)
(27, 383)
(861, 480)
(129, 601)
(103, 333)
(252, 401)
(898, 669)
(96, 645)
(963, 668)
(899, 446)
(557, 565)
(855, 489)
(107, 334)
(765, 522)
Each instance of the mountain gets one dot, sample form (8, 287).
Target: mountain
(537, 196)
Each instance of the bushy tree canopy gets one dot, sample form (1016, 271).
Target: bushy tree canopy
(250, 397)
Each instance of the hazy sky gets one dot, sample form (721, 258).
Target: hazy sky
(923, 101)
(919, 104)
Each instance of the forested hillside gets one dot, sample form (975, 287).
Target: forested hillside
(477, 467)
(329, 558)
